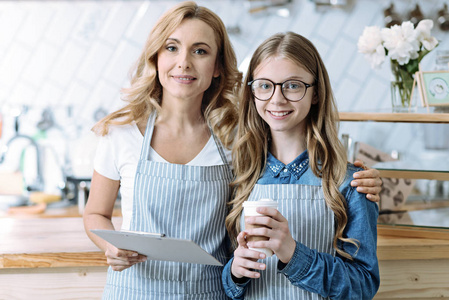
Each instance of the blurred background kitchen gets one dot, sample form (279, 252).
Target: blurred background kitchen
(63, 63)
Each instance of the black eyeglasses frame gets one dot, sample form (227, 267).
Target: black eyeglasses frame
(282, 91)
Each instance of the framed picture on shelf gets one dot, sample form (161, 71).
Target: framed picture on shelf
(435, 86)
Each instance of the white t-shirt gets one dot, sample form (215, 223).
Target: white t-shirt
(118, 153)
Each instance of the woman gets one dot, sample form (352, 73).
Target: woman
(182, 99)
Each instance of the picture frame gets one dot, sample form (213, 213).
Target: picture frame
(435, 87)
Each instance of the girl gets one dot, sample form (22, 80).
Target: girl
(324, 234)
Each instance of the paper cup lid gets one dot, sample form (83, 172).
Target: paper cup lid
(261, 202)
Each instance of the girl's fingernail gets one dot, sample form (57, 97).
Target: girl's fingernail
(134, 254)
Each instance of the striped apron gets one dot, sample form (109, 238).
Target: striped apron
(310, 222)
(187, 202)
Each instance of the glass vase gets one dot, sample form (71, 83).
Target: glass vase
(402, 90)
(401, 97)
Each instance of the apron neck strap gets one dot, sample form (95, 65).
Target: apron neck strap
(145, 153)
(220, 147)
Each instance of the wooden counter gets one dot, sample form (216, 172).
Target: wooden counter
(47, 243)
(70, 211)
(52, 258)
(413, 268)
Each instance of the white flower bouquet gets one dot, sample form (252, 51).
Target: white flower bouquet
(404, 45)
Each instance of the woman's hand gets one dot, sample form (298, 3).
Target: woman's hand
(245, 260)
(275, 227)
(367, 182)
(120, 260)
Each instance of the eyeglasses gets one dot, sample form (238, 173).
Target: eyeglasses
(292, 90)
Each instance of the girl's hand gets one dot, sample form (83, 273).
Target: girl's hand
(367, 182)
(245, 260)
(275, 227)
(120, 260)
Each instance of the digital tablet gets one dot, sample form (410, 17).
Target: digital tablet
(158, 247)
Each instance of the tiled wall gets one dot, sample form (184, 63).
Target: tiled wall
(73, 56)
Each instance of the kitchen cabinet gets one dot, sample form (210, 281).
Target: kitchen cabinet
(413, 261)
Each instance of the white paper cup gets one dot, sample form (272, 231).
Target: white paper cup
(249, 210)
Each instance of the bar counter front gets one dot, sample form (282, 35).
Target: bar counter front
(52, 258)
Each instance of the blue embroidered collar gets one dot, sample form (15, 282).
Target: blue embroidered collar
(297, 167)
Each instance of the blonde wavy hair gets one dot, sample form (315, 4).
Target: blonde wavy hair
(326, 153)
(145, 92)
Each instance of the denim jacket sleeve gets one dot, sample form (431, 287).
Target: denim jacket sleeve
(338, 277)
(232, 289)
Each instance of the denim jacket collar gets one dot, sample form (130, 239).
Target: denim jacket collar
(297, 167)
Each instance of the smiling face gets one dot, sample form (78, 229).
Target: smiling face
(284, 117)
(186, 63)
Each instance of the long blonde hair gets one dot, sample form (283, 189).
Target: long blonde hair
(145, 92)
(326, 153)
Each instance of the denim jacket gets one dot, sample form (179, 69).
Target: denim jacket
(321, 273)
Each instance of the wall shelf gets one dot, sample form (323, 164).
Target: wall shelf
(430, 175)
(442, 173)
(395, 117)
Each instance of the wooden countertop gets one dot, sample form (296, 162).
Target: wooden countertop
(62, 242)
(48, 242)
(70, 211)
(405, 248)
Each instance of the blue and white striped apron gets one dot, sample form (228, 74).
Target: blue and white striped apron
(187, 202)
(310, 222)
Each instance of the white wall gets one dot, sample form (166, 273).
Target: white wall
(73, 56)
